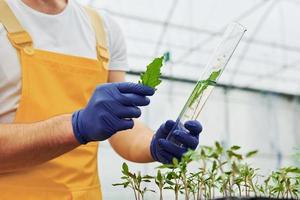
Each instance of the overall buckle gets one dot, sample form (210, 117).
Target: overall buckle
(20, 40)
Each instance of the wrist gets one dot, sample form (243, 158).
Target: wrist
(153, 149)
(64, 124)
(75, 128)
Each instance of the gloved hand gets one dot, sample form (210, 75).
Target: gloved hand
(164, 151)
(110, 109)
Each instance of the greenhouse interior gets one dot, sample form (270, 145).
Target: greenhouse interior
(249, 111)
(257, 105)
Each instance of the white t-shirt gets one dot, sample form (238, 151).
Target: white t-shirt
(69, 32)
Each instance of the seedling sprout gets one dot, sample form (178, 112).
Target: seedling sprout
(220, 172)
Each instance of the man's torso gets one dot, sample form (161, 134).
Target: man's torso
(69, 32)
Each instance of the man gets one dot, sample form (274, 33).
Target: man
(64, 95)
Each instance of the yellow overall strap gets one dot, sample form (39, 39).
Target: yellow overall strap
(98, 25)
(16, 34)
(8, 18)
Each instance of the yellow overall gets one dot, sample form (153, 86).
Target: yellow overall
(54, 84)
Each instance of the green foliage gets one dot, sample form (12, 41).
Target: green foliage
(202, 86)
(134, 181)
(151, 77)
(220, 171)
(284, 183)
(251, 154)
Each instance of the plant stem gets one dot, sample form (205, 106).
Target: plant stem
(176, 192)
(246, 186)
(139, 192)
(291, 194)
(240, 191)
(213, 186)
(222, 171)
(253, 187)
(160, 193)
(186, 191)
(229, 188)
(198, 189)
(205, 192)
(133, 188)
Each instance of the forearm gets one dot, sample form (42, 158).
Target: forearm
(134, 144)
(27, 145)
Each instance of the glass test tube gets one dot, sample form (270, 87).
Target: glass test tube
(213, 70)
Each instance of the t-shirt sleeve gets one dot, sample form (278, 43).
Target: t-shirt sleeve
(116, 44)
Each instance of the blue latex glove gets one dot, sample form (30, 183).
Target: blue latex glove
(164, 151)
(110, 109)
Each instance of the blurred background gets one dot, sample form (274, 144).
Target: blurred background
(257, 105)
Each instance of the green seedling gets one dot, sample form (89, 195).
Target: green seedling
(220, 171)
(192, 185)
(178, 178)
(134, 181)
(284, 183)
(248, 175)
(160, 181)
(151, 77)
(173, 183)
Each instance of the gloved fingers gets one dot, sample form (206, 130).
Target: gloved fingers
(165, 129)
(172, 148)
(133, 100)
(115, 124)
(186, 139)
(194, 127)
(125, 124)
(139, 89)
(128, 112)
(165, 157)
(169, 125)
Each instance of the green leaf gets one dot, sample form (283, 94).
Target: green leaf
(219, 148)
(139, 177)
(251, 154)
(234, 148)
(175, 161)
(118, 184)
(148, 177)
(235, 168)
(292, 170)
(159, 176)
(126, 184)
(214, 166)
(232, 154)
(202, 86)
(170, 182)
(125, 168)
(133, 176)
(151, 77)
(166, 166)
